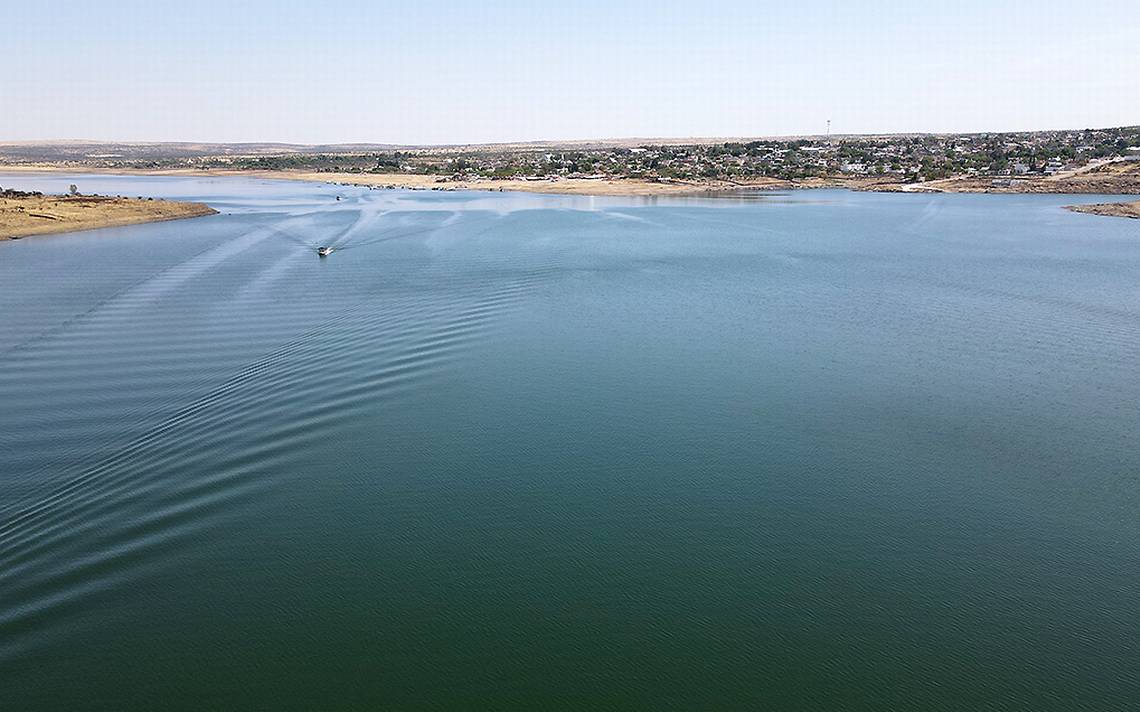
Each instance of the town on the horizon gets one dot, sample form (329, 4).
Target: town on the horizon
(902, 157)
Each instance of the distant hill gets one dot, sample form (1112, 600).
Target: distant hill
(55, 151)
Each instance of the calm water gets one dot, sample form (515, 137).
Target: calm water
(817, 451)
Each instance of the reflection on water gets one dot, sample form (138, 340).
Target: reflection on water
(808, 450)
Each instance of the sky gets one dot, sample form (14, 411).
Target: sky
(431, 72)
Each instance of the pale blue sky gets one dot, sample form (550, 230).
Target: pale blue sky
(444, 72)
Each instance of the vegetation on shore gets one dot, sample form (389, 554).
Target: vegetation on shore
(891, 159)
(1103, 161)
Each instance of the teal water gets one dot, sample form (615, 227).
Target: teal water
(814, 451)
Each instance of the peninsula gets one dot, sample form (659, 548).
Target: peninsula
(25, 213)
(1117, 210)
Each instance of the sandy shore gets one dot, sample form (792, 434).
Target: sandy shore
(567, 186)
(1119, 210)
(1116, 178)
(42, 215)
(412, 181)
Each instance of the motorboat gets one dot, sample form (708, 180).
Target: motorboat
(324, 251)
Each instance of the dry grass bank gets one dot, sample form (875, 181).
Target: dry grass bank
(46, 214)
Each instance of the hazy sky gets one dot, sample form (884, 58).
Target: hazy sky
(498, 70)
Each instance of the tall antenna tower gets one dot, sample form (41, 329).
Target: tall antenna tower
(829, 130)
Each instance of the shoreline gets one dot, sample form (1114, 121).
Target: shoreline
(1115, 179)
(416, 181)
(601, 187)
(32, 215)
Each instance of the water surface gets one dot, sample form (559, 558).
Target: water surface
(822, 450)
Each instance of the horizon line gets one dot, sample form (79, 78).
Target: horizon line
(541, 142)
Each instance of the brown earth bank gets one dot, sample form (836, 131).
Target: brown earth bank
(1119, 210)
(25, 214)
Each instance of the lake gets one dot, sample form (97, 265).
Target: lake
(820, 450)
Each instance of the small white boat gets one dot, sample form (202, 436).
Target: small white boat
(324, 251)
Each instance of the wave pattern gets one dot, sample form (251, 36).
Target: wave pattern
(881, 449)
(86, 516)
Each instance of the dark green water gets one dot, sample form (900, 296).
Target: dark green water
(818, 451)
